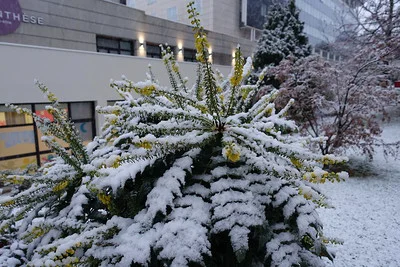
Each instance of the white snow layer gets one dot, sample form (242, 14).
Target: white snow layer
(367, 212)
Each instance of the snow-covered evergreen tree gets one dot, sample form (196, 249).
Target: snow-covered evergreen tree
(180, 177)
(282, 36)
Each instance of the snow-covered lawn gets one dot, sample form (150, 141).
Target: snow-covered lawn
(367, 213)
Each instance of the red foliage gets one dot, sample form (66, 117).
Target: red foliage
(344, 102)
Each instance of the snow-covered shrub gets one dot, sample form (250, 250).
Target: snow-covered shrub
(180, 177)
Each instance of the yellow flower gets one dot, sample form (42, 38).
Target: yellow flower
(105, 199)
(175, 68)
(60, 186)
(147, 90)
(52, 97)
(116, 163)
(238, 70)
(307, 196)
(145, 145)
(35, 233)
(8, 203)
(113, 121)
(202, 108)
(268, 111)
(231, 152)
(116, 112)
(296, 162)
(201, 45)
(17, 180)
(237, 77)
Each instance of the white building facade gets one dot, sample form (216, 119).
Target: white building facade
(324, 19)
(244, 18)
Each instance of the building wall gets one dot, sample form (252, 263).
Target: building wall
(74, 24)
(222, 16)
(322, 18)
(159, 8)
(74, 76)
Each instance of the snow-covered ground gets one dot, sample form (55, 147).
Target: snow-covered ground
(367, 213)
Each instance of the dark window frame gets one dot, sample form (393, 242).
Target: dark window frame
(152, 54)
(119, 49)
(189, 55)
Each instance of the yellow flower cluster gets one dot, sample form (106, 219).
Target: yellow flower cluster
(238, 70)
(51, 96)
(268, 111)
(245, 92)
(322, 176)
(306, 195)
(15, 179)
(201, 44)
(116, 163)
(60, 186)
(147, 90)
(296, 162)
(114, 121)
(66, 258)
(145, 145)
(105, 199)
(175, 67)
(316, 177)
(8, 203)
(329, 160)
(36, 232)
(232, 152)
(202, 108)
(116, 111)
(72, 261)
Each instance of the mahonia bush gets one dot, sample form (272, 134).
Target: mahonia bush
(179, 177)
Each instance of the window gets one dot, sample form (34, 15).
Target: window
(20, 139)
(122, 2)
(150, 2)
(9, 117)
(153, 50)
(172, 14)
(114, 45)
(189, 55)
